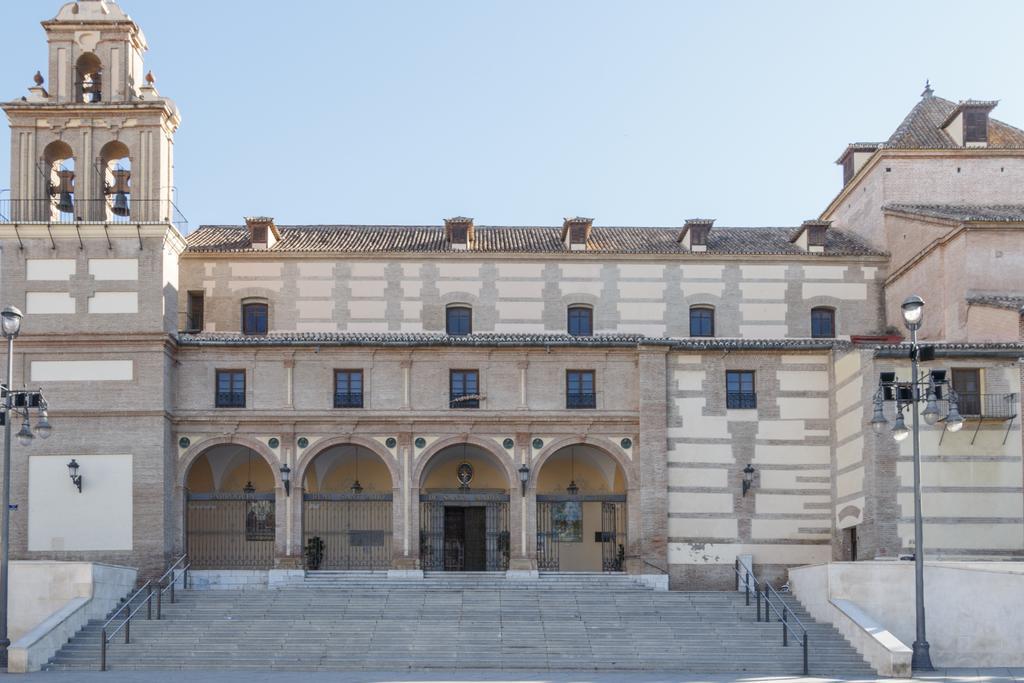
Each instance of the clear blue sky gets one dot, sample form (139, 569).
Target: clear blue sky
(524, 111)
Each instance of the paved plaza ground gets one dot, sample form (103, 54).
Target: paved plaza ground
(940, 676)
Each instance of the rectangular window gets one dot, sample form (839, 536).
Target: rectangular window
(459, 320)
(581, 321)
(975, 126)
(823, 323)
(579, 389)
(739, 389)
(464, 389)
(254, 318)
(702, 321)
(348, 388)
(230, 389)
(194, 313)
(967, 384)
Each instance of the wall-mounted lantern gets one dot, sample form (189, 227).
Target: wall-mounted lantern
(524, 476)
(748, 478)
(286, 479)
(76, 478)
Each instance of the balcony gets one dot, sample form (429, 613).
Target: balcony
(988, 406)
(230, 399)
(740, 400)
(464, 401)
(348, 400)
(51, 211)
(580, 401)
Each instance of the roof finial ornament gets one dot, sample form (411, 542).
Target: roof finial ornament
(149, 78)
(38, 78)
(928, 92)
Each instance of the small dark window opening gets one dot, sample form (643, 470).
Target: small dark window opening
(581, 321)
(739, 389)
(579, 389)
(464, 389)
(702, 321)
(823, 323)
(259, 234)
(459, 320)
(254, 318)
(577, 233)
(348, 388)
(459, 233)
(975, 126)
(967, 384)
(230, 389)
(194, 312)
(848, 169)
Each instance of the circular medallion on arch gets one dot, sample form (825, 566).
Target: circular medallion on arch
(184, 442)
(273, 442)
(303, 442)
(391, 442)
(421, 442)
(626, 443)
(538, 443)
(465, 474)
(508, 444)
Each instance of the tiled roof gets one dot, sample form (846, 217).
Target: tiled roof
(368, 239)
(1009, 302)
(922, 128)
(999, 213)
(488, 339)
(951, 349)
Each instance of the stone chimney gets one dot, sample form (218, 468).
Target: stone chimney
(694, 236)
(811, 236)
(459, 232)
(576, 233)
(263, 234)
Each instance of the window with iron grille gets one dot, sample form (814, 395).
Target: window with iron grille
(823, 323)
(194, 314)
(702, 321)
(230, 389)
(464, 389)
(254, 318)
(459, 320)
(579, 389)
(739, 389)
(581, 321)
(348, 388)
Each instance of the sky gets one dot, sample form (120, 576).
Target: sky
(522, 112)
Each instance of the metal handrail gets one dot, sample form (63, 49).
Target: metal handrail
(147, 587)
(787, 625)
(745, 577)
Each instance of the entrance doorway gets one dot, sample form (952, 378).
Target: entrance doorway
(465, 539)
(464, 532)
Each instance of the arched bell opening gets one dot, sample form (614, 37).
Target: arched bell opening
(57, 168)
(115, 168)
(89, 78)
(230, 515)
(347, 510)
(581, 511)
(464, 516)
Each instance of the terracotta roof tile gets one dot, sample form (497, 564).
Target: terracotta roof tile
(922, 128)
(998, 213)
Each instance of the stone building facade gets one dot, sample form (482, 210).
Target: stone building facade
(467, 397)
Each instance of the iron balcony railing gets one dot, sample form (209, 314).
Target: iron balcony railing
(464, 401)
(991, 406)
(230, 399)
(740, 399)
(574, 401)
(74, 211)
(351, 399)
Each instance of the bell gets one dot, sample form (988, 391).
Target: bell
(120, 207)
(66, 204)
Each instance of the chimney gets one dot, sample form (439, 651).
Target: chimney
(694, 236)
(459, 232)
(811, 236)
(263, 234)
(576, 232)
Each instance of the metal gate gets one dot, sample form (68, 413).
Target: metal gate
(441, 551)
(230, 530)
(354, 529)
(557, 521)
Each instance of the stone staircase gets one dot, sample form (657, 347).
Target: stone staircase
(445, 621)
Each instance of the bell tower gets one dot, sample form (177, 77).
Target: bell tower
(94, 142)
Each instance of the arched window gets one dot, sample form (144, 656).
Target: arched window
(459, 320)
(89, 78)
(823, 322)
(59, 162)
(702, 321)
(255, 316)
(581, 321)
(116, 166)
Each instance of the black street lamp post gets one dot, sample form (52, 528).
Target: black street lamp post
(927, 389)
